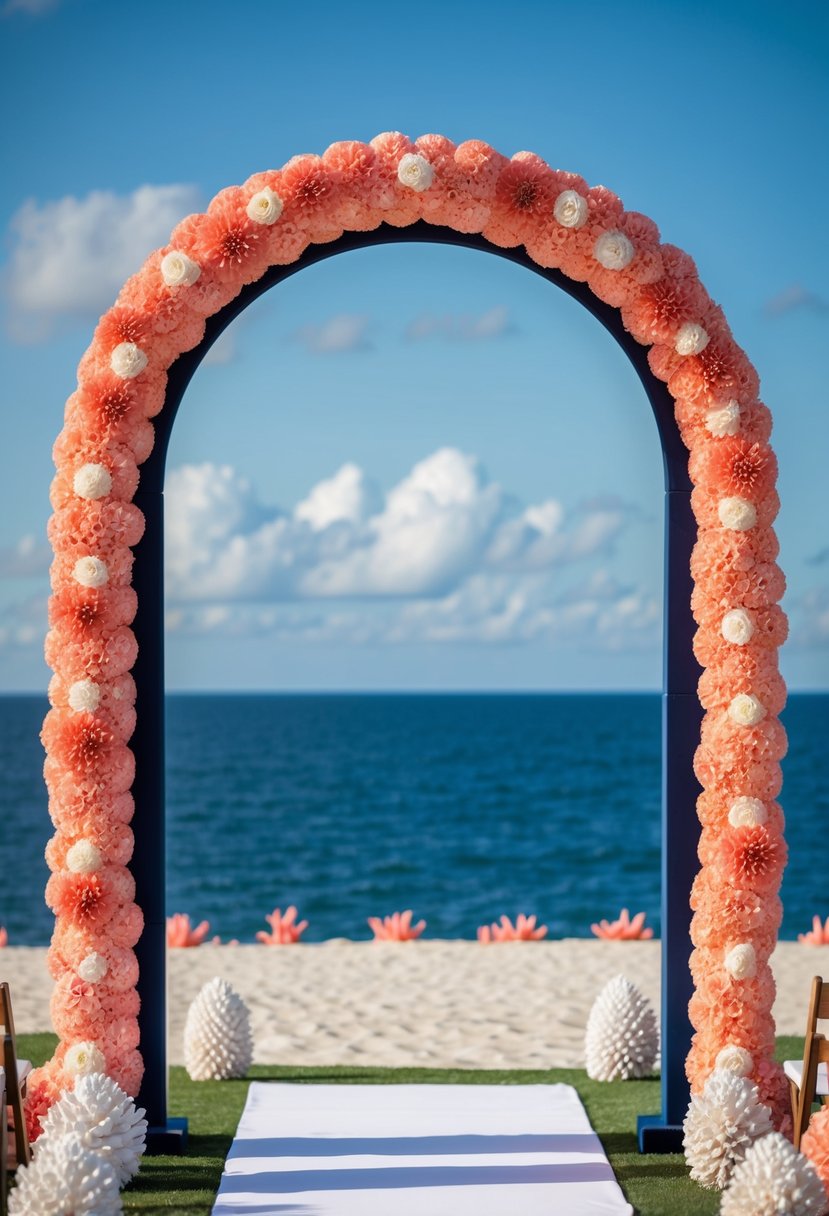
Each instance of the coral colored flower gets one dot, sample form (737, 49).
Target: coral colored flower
(79, 741)
(284, 929)
(4, 937)
(751, 857)
(623, 929)
(656, 311)
(396, 928)
(735, 467)
(817, 936)
(228, 242)
(815, 1144)
(721, 370)
(180, 933)
(83, 899)
(524, 197)
(524, 930)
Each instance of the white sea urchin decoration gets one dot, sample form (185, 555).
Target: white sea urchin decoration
(774, 1179)
(721, 1125)
(105, 1119)
(217, 1037)
(65, 1178)
(622, 1037)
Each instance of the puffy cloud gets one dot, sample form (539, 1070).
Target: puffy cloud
(342, 333)
(347, 497)
(28, 558)
(796, 299)
(70, 257)
(494, 323)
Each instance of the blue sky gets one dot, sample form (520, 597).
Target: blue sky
(375, 378)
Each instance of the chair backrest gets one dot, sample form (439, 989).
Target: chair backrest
(818, 1005)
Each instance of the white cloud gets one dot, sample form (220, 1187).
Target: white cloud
(810, 618)
(347, 497)
(23, 624)
(342, 333)
(493, 323)
(28, 558)
(70, 257)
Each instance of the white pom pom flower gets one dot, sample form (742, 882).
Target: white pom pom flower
(571, 209)
(84, 696)
(264, 207)
(613, 250)
(84, 857)
(720, 1127)
(622, 1037)
(177, 270)
(217, 1037)
(415, 171)
(774, 1179)
(128, 360)
(734, 1059)
(738, 514)
(741, 961)
(93, 968)
(723, 419)
(737, 627)
(746, 812)
(65, 1178)
(105, 1119)
(90, 572)
(691, 339)
(83, 1058)
(92, 481)
(746, 710)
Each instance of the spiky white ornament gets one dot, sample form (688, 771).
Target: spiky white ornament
(217, 1037)
(774, 1179)
(720, 1127)
(106, 1120)
(622, 1038)
(65, 1178)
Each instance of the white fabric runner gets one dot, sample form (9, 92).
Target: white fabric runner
(417, 1150)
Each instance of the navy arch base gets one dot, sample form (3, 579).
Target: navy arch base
(680, 721)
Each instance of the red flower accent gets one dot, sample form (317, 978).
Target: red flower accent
(733, 466)
(78, 740)
(752, 857)
(123, 324)
(658, 310)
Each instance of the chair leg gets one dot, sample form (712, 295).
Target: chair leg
(4, 1154)
(21, 1136)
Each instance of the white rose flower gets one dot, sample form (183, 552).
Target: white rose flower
(177, 270)
(84, 696)
(90, 572)
(736, 1060)
(84, 857)
(613, 250)
(723, 419)
(93, 968)
(746, 710)
(415, 171)
(737, 626)
(82, 1059)
(571, 209)
(747, 812)
(92, 481)
(741, 961)
(737, 513)
(127, 360)
(691, 339)
(264, 207)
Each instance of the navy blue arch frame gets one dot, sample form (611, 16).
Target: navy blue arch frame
(681, 714)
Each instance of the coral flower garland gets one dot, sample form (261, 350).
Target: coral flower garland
(563, 223)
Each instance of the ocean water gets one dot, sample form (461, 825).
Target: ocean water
(461, 807)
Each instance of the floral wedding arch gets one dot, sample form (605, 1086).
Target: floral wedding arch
(582, 238)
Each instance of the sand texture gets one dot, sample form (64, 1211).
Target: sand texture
(427, 1003)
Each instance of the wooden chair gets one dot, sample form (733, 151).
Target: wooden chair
(13, 1075)
(809, 1077)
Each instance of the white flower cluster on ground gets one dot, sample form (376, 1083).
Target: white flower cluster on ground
(622, 1037)
(721, 1125)
(217, 1037)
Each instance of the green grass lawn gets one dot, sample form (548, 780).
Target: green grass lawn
(186, 1186)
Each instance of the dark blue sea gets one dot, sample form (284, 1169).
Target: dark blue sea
(461, 807)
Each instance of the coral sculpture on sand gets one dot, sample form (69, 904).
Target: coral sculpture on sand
(180, 932)
(624, 929)
(774, 1179)
(64, 1178)
(622, 1037)
(815, 1144)
(523, 930)
(284, 929)
(4, 937)
(396, 928)
(721, 1125)
(217, 1037)
(104, 1118)
(818, 935)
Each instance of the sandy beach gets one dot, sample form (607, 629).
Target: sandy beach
(428, 1003)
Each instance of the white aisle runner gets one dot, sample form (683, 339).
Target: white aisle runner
(417, 1150)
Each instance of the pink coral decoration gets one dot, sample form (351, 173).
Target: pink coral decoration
(818, 935)
(396, 928)
(181, 934)
(624, 929)
(560, 221)
(4, 937)
(524, 930)
(815, 1144)
(285, 931)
